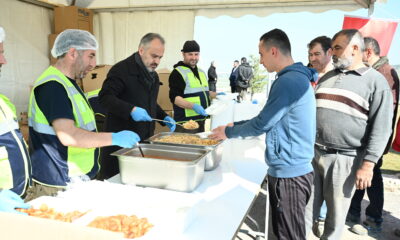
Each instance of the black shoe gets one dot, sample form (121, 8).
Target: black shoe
(353, 219)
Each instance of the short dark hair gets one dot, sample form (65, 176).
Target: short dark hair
(146, 39)
(352, 35)
(326, 43)
(237, 61)
(243, 59)
(373, 44)
(277, 38)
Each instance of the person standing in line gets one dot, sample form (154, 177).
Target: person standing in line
(354, 112)
(320, 58)
(233, 76)
(64, 142)
(129, 96)
(245, 74)
(320, 55)
(188, 88)
(288, 120)
(212, 77)
(373, 212)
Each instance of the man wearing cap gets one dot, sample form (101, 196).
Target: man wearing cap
(64, 141)
(129, 95)
(188, 88)
(14, 158)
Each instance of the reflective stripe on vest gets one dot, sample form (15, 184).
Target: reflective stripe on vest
(80, 160)
(91, 94)
(9, 124)
(8, 117)
(194, 86)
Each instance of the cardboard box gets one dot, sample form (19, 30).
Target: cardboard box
(17, 226)
(163, 94)
(72, 17)
(52, 38)
(95, 78)
(24, 128)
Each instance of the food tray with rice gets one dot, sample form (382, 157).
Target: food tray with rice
(215, 147)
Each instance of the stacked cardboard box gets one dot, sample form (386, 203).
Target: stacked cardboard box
(71, 17)
(95, 78)
(163, 98)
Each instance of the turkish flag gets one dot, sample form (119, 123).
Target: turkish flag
(382, 30)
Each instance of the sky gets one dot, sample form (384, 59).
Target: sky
(225, 38)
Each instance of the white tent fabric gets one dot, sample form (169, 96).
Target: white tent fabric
(26, 48)
(119, 25)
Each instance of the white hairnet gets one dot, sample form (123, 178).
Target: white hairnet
(2, 35)
(73, 38)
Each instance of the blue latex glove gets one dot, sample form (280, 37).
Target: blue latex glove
(140, 115)
(199, 109)
(10, 200)
(125, 139)
(171, 123)
(254, 101)
(221, 93)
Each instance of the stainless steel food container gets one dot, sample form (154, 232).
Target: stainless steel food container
(164, 166)
(213, 158)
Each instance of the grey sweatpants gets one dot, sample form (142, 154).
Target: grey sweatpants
(334, 182)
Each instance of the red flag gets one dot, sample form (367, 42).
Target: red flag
(380, 29)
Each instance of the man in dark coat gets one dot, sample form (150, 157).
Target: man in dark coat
(245, 74)
(212, 77)
(233, 76)
(129, 95)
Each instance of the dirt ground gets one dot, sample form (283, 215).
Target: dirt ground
(391, 215)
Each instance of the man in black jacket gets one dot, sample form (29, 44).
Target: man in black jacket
(188, 88)
(129, 95)
(245, 74)
(212, 77)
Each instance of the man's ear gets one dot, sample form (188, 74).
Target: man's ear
(329, 52)
(274, 51)
(72, 54)
(141, 51)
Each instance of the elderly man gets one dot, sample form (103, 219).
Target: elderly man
(354, 115)
(15, 166)
(188, 88)
(375, 193)
(288, 119)
(129, 96)
(62, 129)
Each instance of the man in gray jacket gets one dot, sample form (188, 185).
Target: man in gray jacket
(354, 115)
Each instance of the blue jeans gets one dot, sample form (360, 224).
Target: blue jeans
(322, 211)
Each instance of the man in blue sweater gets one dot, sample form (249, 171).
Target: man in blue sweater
(289, 121)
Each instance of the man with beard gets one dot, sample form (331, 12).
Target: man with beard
(64, 141)
(354, 115)
(374, 210)
(188, 88)
(320, 55)
(129, 96)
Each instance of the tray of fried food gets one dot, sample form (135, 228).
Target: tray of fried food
(182, 138)
(131, 226)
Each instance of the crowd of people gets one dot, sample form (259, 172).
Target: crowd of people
(327, 125)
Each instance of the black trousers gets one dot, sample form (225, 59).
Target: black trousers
(288, 198)
(375, 196)
(233, 89)
(212, 86)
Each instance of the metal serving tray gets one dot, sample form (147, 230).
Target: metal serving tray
(213, 158)
(164, 166)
